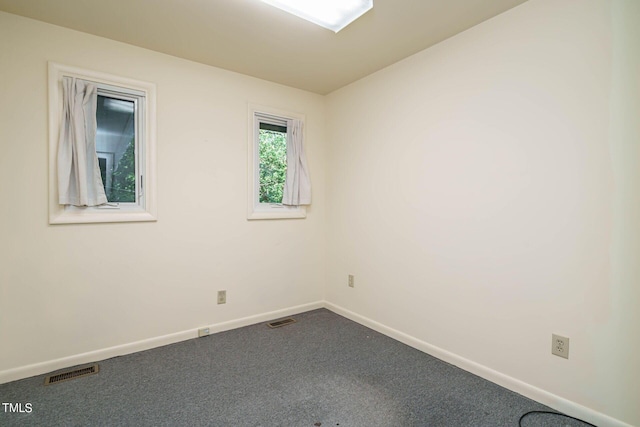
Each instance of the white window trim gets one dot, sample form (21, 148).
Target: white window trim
(125, 212)
(255, 209)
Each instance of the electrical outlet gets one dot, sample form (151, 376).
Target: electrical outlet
(560, 346)
(351, 281)
(222, 297)
(203, 332)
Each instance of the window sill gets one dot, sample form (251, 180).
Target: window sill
(277, 212)
(77, 215)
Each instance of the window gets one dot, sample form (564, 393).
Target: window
(118, 141)
(272, 154)
(269, 142)
(124, 147)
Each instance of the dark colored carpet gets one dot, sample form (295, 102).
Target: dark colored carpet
(324, 370)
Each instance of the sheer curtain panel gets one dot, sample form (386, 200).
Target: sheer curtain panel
(297, 187)
(79, 180)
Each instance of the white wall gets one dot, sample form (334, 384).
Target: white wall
(70, 289)
(485, 194)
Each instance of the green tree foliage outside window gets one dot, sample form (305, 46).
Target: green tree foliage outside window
(273, 165)
(123, 184)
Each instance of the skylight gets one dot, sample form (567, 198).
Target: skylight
(331, 14)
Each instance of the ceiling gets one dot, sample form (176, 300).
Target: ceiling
(253, 38)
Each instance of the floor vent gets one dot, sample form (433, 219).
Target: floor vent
(283, 322)
(72, 375)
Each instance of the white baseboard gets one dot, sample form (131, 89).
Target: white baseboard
(120, 350)
(553, 401)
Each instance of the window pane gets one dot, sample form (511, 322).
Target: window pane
(273, 164)
(115, 145)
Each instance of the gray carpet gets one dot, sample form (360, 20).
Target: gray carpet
(324, 370)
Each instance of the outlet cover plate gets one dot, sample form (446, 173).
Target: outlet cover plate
(222, 297)
(560, 346)
(351, 281)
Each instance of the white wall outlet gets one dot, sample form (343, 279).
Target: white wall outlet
(560, 346)
(351, 281)
(222, 297)
(203, 332)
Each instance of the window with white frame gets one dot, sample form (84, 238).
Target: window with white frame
(116, 152)
(273, 158)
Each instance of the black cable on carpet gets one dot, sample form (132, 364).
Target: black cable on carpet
(552, 413)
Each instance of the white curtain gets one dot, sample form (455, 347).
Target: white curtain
(79, 180)
(297, 187)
